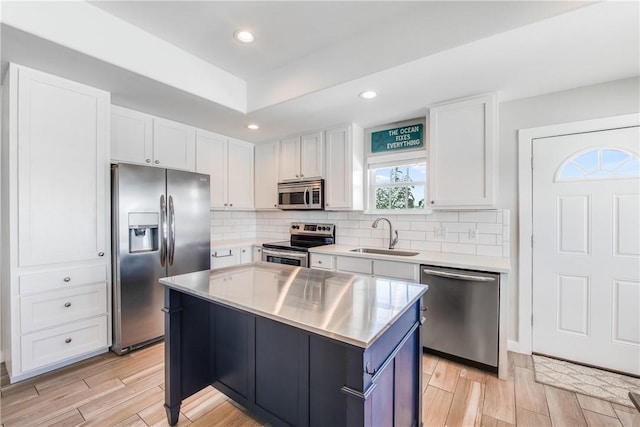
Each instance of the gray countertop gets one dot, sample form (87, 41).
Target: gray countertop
(350, 308)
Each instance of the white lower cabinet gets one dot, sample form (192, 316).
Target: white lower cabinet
(257, 253)
(65, 342)
(396, 270)
(48, 309)
(354, 265)
(322, 262)
(234, 255)
(367, 266)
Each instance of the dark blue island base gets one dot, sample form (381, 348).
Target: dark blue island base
(288, 376)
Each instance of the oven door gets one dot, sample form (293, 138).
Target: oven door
(300, 259)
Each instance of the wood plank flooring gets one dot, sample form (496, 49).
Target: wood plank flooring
(109, 390)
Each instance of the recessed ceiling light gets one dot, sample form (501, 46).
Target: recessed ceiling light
(243, 36)
(253, 126)
(368, 94)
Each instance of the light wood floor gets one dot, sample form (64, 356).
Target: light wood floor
(108, 390)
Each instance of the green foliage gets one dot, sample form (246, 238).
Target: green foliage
(398, 197)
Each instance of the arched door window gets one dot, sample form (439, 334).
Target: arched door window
(599, 163)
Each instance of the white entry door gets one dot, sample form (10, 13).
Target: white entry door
(586, 248)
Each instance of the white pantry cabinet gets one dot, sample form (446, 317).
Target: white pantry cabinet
(229, 163)
(266, 176)
(344, 182)
(301, 157)
(55, 198)
(144, 139)
(463, 152)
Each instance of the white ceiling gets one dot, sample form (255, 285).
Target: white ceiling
(311, 59)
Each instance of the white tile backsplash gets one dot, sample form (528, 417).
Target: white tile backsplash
(419, 232)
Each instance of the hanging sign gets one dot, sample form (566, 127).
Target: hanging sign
(397, 139)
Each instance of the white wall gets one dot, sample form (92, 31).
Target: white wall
(584, 103)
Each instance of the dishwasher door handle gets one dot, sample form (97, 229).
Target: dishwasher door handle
(458, 276)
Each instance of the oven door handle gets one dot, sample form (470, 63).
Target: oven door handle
(283, 254)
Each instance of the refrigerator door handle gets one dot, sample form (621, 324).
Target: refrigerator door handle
(172, 230)
(163, 235)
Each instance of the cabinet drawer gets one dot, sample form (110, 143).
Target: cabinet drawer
(56, 279)
(324, 262)
(225, 257)
(48, 309)
(396, 270)
(57, 344)
(354, 265)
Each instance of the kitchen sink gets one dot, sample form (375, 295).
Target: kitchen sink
(384, 252)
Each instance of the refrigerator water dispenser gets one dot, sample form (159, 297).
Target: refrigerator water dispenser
(143, 232)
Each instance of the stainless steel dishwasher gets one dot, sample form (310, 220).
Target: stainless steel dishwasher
(462, 315)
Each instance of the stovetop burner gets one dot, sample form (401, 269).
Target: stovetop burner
(305, 236)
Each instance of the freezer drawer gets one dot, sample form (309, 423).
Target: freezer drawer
(462, 314)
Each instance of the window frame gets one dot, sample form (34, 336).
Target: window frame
(390, 160)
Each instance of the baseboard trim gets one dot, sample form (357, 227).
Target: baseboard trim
(515, 347)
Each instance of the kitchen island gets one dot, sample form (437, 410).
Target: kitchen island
(296, 346)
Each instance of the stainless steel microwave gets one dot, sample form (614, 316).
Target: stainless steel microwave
(301, 195)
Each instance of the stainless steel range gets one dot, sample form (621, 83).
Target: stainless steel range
(296, 250)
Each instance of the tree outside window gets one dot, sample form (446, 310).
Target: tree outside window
(400, 187)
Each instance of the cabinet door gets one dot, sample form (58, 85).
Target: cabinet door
(225, 257)
(131, 136)
(63, 170)
(240, 174)
(338, 178)
(462, 153)
(311, 156)
(246, 254)
(212, 160)
(174, 145)
(266, 178)
(289, 164)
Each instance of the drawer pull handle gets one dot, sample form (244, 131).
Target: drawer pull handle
(67, 304)
(68, 340)
(319, 262)
(100, 253)
(67, 279)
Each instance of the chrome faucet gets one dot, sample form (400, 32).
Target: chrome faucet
(392, 240)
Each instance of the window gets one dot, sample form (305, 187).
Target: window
(603, 163)
(397, 186)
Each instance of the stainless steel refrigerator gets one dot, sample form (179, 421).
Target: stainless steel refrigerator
(160, 227)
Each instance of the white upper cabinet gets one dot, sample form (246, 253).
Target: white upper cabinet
(344, 159)
(463, 152)
(131, 136)
(229, 163)
(240, 174)
(266, 176)
(62, 169)
(174, 145)
(211, 159)
(144, 139)
(301, 157)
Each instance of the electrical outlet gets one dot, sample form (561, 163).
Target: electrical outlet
(473, 234)
(440, 232)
